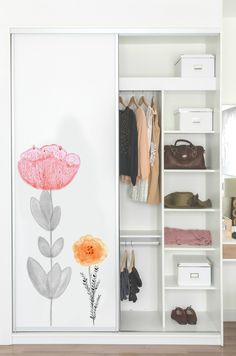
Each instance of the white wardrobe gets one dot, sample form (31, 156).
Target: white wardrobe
(65, 88)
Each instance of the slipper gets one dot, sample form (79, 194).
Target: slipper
(185, 200)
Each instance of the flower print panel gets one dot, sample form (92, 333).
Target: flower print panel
(89, 250)
(64, 179)
(49, 167)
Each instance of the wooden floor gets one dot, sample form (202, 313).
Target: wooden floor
(115, 350)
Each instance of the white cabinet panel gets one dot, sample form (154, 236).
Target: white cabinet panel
(64, 93)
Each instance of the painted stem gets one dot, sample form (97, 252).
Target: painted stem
(51, 267)
(91, 292)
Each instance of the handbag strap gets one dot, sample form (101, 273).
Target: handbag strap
(186, 141)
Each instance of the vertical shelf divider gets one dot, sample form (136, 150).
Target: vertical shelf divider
(163, 211)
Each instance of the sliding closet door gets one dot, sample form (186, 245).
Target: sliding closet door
(64, 181)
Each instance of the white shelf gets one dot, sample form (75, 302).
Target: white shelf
(178, 132)
(229, 260)
(139, 234)
(188, 248)
(204, 324)
(141, 321)
(209, 210)
(229, 242)
(167, 83)
(171, 284)
(190, 170)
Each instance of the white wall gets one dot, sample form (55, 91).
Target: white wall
(229, 97)
(107, 13)
(229, 53)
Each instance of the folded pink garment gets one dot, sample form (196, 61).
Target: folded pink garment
(187, 237)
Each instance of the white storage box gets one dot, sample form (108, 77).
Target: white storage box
(201, 66)
(193, 270)
(194, 119)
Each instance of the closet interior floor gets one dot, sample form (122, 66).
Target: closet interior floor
(229, 348)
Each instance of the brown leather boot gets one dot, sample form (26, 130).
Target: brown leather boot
(179, 315)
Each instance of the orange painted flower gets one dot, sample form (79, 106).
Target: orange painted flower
(89, 250)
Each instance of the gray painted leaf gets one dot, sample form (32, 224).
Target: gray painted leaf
(57, 247)
(38, 277)
(56, 216)
(44, 247)
(53, 279)
(46, 205)
(65, 280)
(37, 214)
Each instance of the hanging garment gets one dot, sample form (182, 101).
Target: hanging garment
(135, 281)
(139, 192)
(143, 161)
(153, 183)
(128, 141)
(124, 277)
(124, 284)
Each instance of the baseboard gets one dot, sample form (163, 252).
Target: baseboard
(229, 314)
(118, 338)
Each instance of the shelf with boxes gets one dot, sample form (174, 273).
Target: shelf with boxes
(189, 272)
(171, 284)
(193, 116)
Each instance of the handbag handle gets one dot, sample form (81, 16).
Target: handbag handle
(190, 143)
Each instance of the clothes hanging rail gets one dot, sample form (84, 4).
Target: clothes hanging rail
(139, 243)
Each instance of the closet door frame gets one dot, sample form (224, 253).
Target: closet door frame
(6, 205)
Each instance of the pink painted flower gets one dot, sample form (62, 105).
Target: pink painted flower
(49, 167)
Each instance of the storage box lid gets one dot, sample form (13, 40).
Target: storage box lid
(180, 110)
(193, 56)
(192, 261)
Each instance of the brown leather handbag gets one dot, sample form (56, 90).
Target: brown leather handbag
(184, 156)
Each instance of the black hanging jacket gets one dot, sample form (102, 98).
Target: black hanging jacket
(128, 144)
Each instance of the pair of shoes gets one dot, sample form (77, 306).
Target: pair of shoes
(184, 316)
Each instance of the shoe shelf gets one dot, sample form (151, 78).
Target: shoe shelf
(204, 324)
(171, 284)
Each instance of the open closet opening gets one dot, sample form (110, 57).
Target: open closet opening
(148, 66)
(140, 213)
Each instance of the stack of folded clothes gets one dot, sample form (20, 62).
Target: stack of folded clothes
(187, 237)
